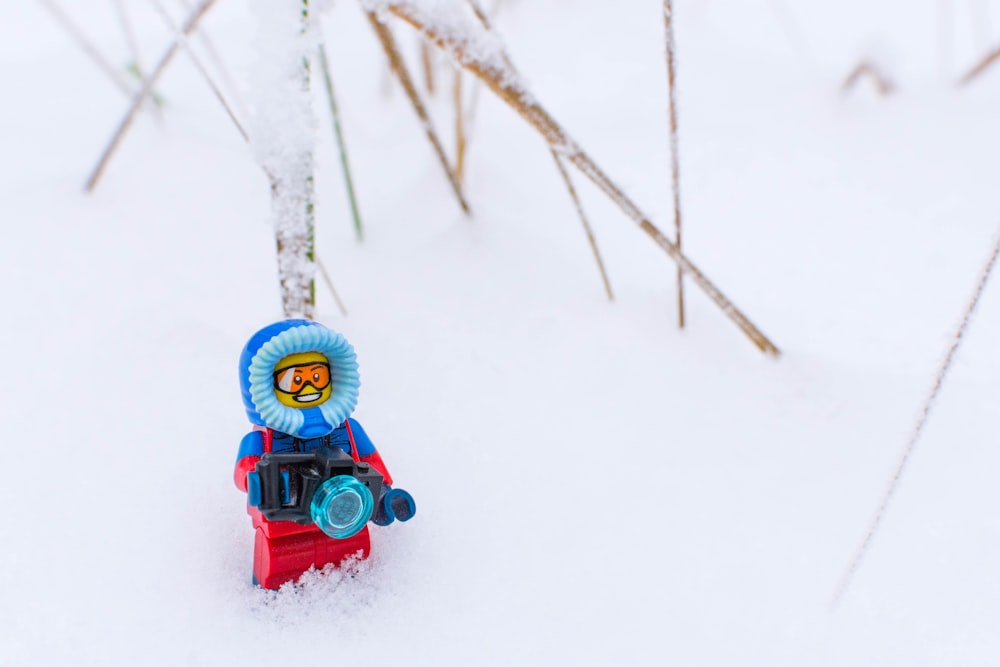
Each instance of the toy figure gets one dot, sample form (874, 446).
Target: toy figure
(313, 478)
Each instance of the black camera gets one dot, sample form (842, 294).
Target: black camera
(324, 486)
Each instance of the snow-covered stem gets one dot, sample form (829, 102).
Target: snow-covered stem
(88, 47)
(338, 133)
(668, 21)
(197, 14)
(506, 86)
(398, 67)
(161, 10)
(586, 224)
(284, 139)
(469, 116)
(918, 427)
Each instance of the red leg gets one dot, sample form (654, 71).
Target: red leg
(281, 559)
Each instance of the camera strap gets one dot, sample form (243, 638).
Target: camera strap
(350, 436)
(267, 438)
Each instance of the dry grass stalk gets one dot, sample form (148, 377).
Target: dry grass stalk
(161, 10)
(502, 85)
(918, 427)
(591, 239)
(485, 22)
(88, 48)
(195, 17)
(329, 284)
(398, 67)
(984, 64)
(428, 66)
(668, 20)
(133, 45)
(341, 144)
(459, 128)
(586, 224)
(480, 14)
(213, 55)
(866, 70)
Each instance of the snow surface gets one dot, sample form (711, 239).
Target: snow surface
(594, 486)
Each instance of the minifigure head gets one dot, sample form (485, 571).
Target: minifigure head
(299, 377)
(303, 380)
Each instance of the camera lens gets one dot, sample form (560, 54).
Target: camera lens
(342, 506)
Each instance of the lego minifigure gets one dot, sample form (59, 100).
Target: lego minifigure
(312, 476)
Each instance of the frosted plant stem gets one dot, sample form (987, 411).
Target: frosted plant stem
(468, 117)
(88, 47)
(504, 84)
(338, 133)
(918, 427)
(485, 22)
(671, 47)
(293, 208)
(197, 14)
(161, 10)
(586, 224)
(398, 68)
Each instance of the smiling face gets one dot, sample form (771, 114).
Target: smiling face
(303, 380)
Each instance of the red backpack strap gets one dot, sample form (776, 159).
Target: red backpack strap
(267, 436)
(350, 436)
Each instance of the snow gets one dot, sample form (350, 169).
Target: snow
(593, 485)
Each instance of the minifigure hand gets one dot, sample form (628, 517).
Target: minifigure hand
(394, 504)
(253, 489)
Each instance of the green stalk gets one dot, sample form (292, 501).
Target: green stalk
(341, 145)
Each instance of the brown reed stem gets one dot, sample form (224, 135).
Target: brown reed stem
(133, 45)
(197, 14)
(220, 66)
(182, 40)
(484, 20)
(459, 128)
(668, 21)
(428, 67)
(502, 84)
(922, 415)
(88, 47)
(865, 69)
(980, 67)
(398, 67)
(585, 222)
(329, 285)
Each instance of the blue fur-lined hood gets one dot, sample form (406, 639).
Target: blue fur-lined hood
(273, 343)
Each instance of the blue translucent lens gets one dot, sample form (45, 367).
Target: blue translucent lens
(342, 506)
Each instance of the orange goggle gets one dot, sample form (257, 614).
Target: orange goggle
(292, 379)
